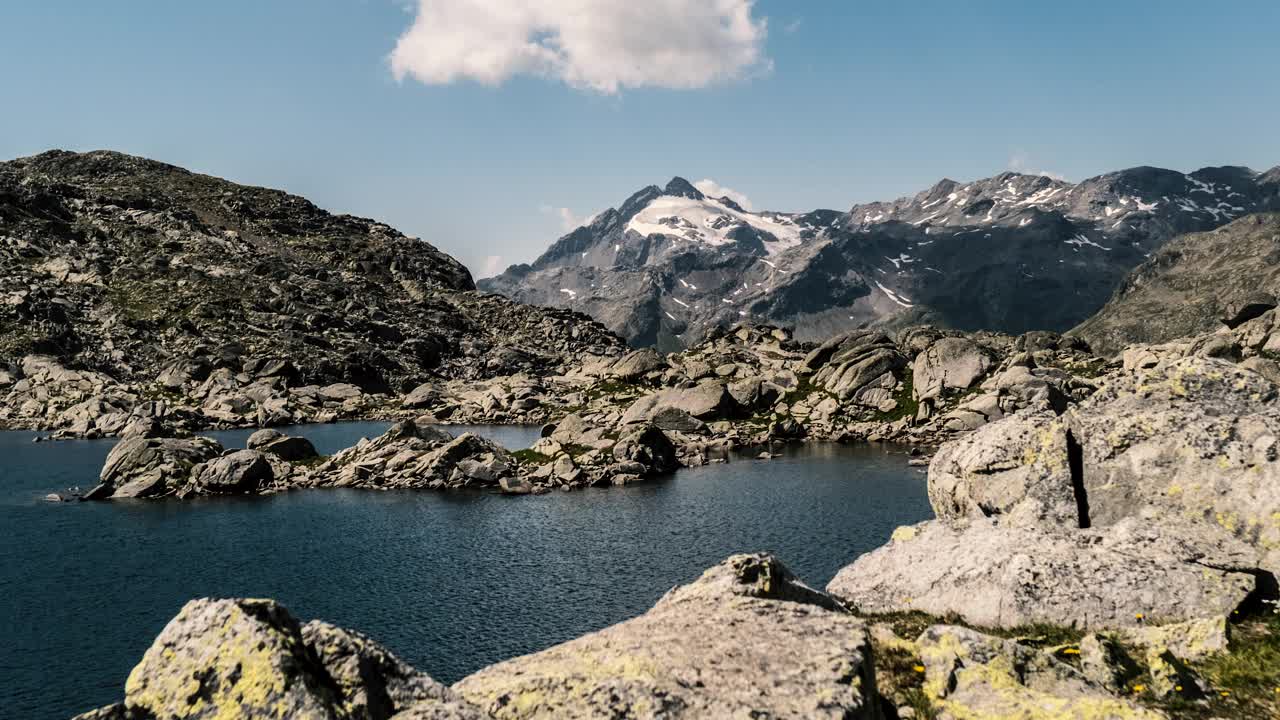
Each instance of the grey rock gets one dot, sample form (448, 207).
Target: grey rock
(372, 683)
(1017, 469)
(242, 658)
(745, 640)
(261, 438)
(290, 449)
(242, 471)
(650, 447)
(951, 363)
(971, 674)
(996, 576)
(1190, 437)
(705, 401)
(153, 467)
(423, 396)
(637, 364)
(677, 420)
(1106, 662)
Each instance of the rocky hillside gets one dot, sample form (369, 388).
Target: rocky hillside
(1193, 285)
(124, 279)
(1011, 253)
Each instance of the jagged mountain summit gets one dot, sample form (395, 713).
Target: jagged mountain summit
(134, 268)
(1014, 252)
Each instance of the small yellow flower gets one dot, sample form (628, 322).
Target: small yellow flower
(1139, 688)
(1225, 693)
(1177, 688)
(919, 668)
(1140, 616)
(1071, 651)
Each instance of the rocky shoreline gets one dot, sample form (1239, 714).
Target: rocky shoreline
(617, 420)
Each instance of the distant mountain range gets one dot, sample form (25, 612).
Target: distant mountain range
(1013, 252)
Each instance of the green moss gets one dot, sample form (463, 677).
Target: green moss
(1249, 674)
(908, 406)
(1244, 682)
(316, 461)
(15, 340)
(899, 679)
(803, 389)
(530, 457)
(1091, 368)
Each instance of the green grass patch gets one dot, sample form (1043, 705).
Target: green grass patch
(1249, 674)
(530, 457)
(898, 678)
(1242, 683)
(908, 406)
(316, 461)
(803, 389)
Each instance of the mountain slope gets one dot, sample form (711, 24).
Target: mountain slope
(1013, 252)
(128, 266)
(1193, 285)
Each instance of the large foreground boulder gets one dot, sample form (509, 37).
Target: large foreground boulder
(1189, 438)
(372, 682)
(1017, 469)
(231, 658)
(746, 640)
(1173, 440)
(251, 659)
(995, 576)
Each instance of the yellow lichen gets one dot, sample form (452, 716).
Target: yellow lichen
(904, 533)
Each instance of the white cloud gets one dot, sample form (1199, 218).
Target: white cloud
(1020, 162)
(568, 220)
(492, 266)
(601, 45)
(711, 188)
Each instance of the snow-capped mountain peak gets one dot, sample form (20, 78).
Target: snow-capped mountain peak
(713, 222)
(1011, 252)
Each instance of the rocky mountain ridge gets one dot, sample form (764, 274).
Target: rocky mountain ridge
(126, 282)
(1014, 253)
(1193, 285)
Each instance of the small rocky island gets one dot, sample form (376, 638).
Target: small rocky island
(1107, 532)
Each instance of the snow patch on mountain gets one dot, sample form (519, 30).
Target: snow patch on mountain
(710, 221)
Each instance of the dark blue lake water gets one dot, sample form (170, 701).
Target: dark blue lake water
(451, 582)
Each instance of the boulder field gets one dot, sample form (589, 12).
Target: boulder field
(746, 639)
(616, 420)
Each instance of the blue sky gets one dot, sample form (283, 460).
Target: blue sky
(840, 101)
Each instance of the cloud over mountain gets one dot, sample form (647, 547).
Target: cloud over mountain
(599, 45)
